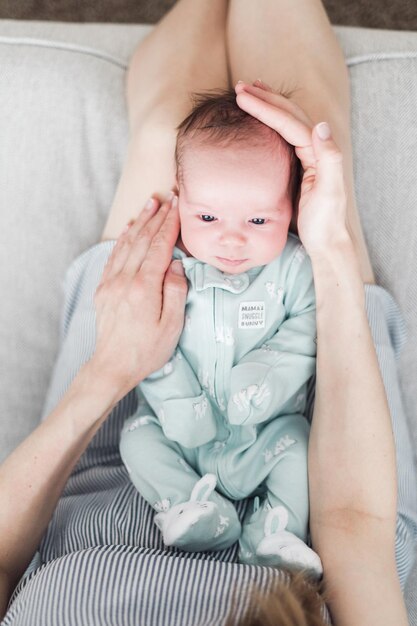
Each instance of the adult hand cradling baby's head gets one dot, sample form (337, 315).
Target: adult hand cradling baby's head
(322, 202)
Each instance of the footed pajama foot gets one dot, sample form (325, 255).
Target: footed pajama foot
(279, 547)
(199, 523)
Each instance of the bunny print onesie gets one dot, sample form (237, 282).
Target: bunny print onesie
(227, 411)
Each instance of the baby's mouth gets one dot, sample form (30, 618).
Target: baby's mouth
(231, 261)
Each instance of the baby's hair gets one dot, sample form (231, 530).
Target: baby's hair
(216, 119)
(295, 601)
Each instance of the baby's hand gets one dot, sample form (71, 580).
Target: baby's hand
(322, 202)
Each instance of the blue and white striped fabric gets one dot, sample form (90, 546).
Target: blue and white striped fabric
(102, 559)
(389, 335)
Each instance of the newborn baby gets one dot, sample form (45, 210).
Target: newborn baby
(224, 418)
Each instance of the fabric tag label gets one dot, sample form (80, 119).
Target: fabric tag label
(252, 314)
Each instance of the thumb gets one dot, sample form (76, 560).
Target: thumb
(329, 162)
(175, 295)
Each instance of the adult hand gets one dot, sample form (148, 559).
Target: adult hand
(140, 300)
(322, 203)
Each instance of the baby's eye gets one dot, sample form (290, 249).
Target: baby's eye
(259, 221)
(211, 218)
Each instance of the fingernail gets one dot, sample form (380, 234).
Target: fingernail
(177, 268)
(174, 201)
(170, 196)
(239, 82)
(150, 204)
(261, 83)
(126, 228)
(323, 131)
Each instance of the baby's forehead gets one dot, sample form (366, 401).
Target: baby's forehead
(199, 157)
(266, 142)
(233, 182)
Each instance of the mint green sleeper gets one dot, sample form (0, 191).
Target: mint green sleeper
(231, 400)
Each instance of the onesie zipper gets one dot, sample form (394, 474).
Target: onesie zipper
(215, 343)
(223, 457)
(219, 329)
(220, 458)
(219, 385)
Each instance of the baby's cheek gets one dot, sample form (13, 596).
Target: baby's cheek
(193, 240)
(274, 245)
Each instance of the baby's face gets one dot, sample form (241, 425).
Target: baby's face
(234, 206)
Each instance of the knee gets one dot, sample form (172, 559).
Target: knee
(154, 124)
(136, 436)
(153, 131)
(127, 447)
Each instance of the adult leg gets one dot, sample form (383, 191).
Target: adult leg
(184, 53)
(291, 46)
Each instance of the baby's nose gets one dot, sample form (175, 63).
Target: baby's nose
(232, 238)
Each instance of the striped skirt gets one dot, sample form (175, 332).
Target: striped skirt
(102, 559)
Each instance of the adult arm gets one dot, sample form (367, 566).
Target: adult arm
(266, 378)
(351, 453)
(34, 475)
(135, 336)
(352, 474)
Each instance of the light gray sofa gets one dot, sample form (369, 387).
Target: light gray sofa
(63, 135)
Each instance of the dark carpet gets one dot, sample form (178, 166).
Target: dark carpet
(391, 14)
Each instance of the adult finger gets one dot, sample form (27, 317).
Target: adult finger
(263, 104)
(259, 83)
(153, 202)
(267, 94)
(329, 162)
(159, 255)
(139, 240)
(174, 298)
(151, 275)
(120, 251)
(292, 129)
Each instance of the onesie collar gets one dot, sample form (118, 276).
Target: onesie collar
(203, 276)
